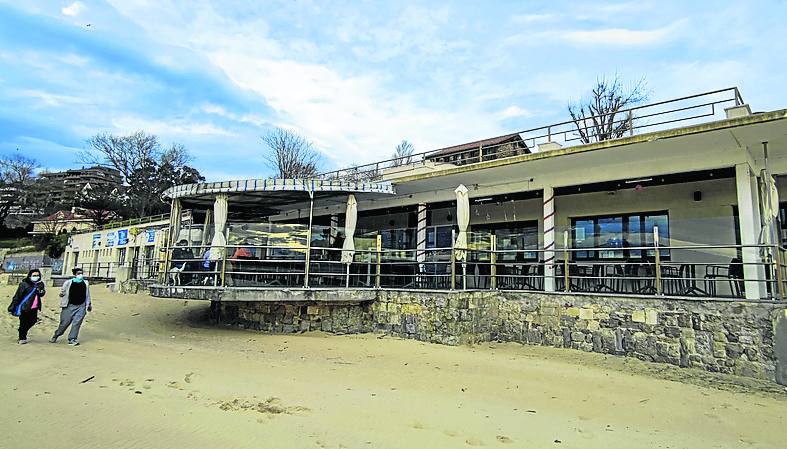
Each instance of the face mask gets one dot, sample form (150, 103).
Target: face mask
(35, 278)
(78, 278)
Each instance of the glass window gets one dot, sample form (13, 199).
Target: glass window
(612, 235)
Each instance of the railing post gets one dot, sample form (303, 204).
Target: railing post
(777, 259)
(224, 267)
(566, 280)
(379, 257)
(307, 267)
(631, 123)
(453, 261)
(493, 262)
(659, 287)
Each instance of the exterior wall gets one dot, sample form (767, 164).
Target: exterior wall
(709, 221)
(720, 336)
(83, 249)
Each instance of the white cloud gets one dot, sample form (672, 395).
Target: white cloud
(353, 119)
(128, 124)
(513, 111)
(73, 9)
(617, 36)
(532, 18)
(50, 99)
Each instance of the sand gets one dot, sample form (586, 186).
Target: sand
(162, 377)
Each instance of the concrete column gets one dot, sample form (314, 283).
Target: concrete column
(549, 239)
(333, 230)
(420, 234)
(749, 219)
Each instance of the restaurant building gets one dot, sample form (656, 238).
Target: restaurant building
(663, 241)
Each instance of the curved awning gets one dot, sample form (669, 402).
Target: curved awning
(276, 192)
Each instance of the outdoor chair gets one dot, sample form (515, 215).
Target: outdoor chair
(672, 280)
(732, 273)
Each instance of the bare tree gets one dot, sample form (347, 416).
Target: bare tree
(290, 154)
(147, 170)
(599, 117)
(403, 154)
(17, 174)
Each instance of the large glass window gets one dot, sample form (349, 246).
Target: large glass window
(514, 237)
(611, 236)
(439, 236)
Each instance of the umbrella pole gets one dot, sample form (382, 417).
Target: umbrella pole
(309, 241)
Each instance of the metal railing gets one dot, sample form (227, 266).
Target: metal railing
(687, 110)
(100, 270)
(657, 272)
(186, 217)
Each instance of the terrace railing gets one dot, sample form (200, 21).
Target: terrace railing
(277, 266)
(689, 110)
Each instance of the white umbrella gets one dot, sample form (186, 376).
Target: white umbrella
(220, 220)
(462, 220)
(175, 214)
(351, 219)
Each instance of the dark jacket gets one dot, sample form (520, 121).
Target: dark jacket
(25, 287)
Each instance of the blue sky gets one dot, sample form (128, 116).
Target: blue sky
(354, 77)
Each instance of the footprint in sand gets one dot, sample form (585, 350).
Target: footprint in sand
(504, 439)
(450, 433)
(473, 441)
(188, 377)
(174, 385)
(269, 407)
(417, 425)
(127, 383)
(148, 384)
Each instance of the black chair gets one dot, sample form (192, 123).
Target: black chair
(732, 273)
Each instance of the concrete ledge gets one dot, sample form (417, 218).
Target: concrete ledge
(251, 294)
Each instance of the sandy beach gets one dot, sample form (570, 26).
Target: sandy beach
(162, 377)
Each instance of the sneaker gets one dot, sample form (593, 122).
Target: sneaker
(73, 342)
(53, 340)
(23, 342)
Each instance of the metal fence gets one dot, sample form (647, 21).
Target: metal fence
(687, 110)
(529, 269)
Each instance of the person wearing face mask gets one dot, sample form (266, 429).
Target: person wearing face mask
(27, 302)
(74, 305)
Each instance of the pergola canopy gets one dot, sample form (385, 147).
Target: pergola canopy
(273, 195)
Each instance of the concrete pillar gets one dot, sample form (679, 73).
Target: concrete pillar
(749, 219)
(420, 234)
(549, 239)
(333, 231)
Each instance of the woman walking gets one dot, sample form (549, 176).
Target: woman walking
(27, 302)
(74, 305)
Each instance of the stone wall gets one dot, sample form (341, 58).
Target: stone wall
(299, 317)
(721, 336)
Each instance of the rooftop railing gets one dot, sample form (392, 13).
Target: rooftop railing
(684, 111)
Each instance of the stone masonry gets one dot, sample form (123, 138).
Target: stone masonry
(732, 337)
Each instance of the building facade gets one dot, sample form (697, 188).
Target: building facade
(65, 187)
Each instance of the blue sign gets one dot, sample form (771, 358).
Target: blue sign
(110, 239)
(122, 237)
(151, 235)
(96, 240)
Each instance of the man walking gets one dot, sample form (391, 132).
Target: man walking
(74, 305)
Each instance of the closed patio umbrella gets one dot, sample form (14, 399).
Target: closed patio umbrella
(175, 214)
(220, 219)
(462, 220)
(351, 219)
